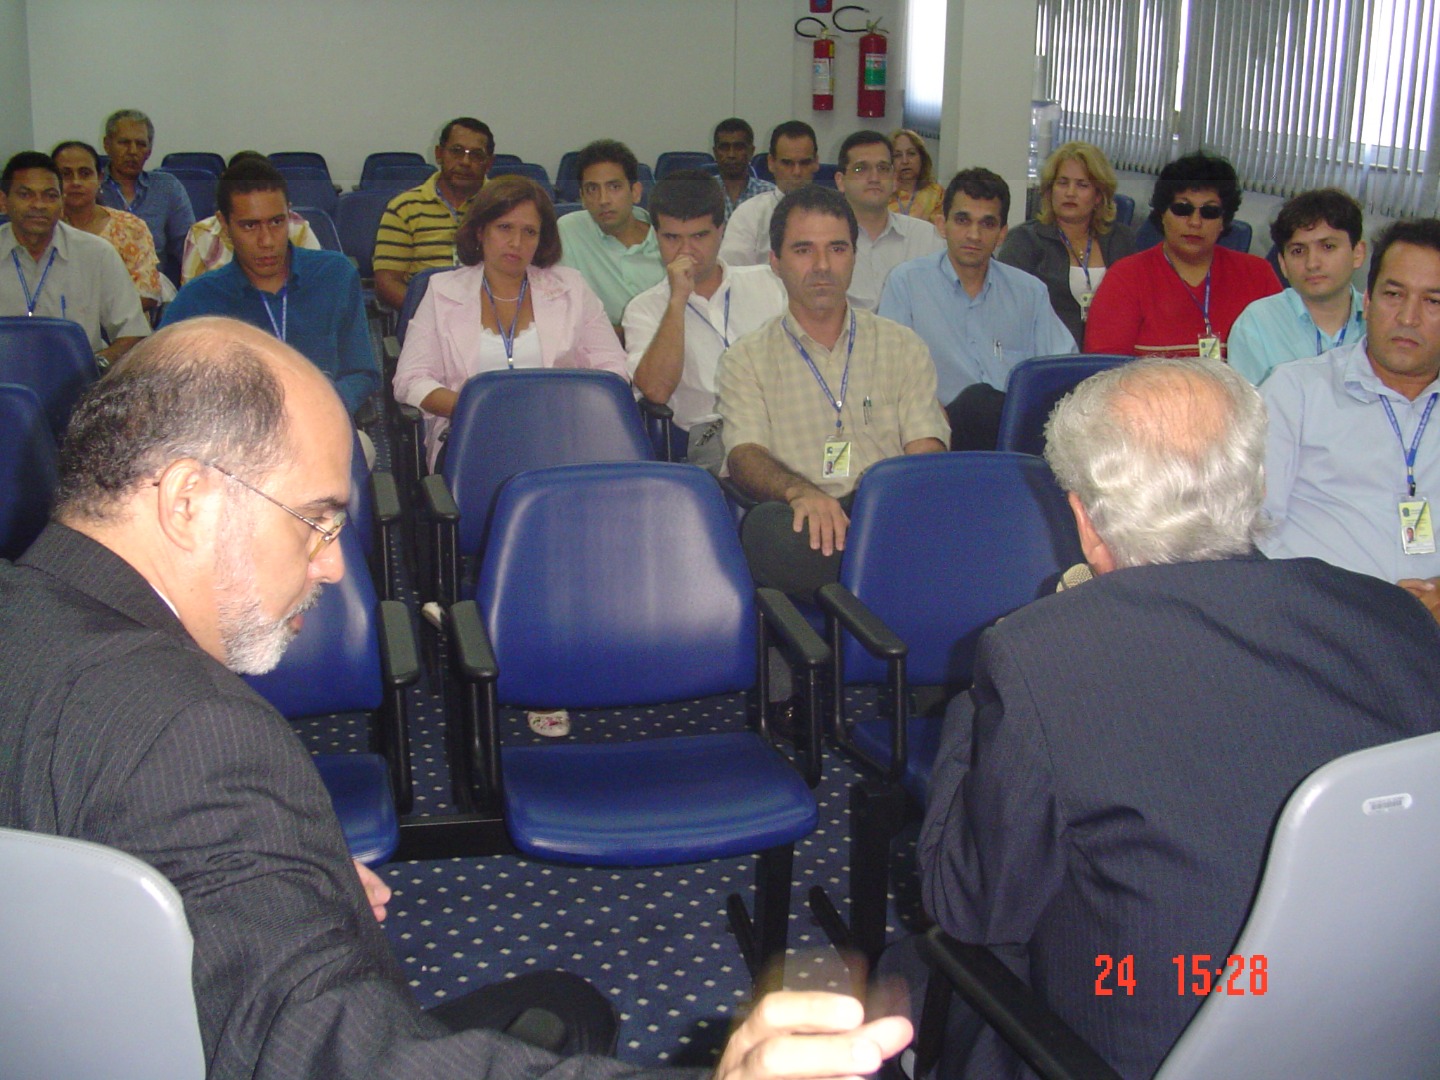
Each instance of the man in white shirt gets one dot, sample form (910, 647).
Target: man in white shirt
(675, 331)
(867, 180)
(794, 161)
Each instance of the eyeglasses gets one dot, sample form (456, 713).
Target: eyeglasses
(327, 536)
(1209, 211)
(884, 168)
(460, 153)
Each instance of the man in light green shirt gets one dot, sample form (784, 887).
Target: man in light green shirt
(611, 242)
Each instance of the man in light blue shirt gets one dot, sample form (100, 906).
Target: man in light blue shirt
(979, 317)
(157, 198)
(1318, 237)
(1343, 424)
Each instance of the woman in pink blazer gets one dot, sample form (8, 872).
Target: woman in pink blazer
(507, 306)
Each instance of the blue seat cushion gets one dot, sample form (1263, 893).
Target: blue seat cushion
(359, 786)
(922, 743)
(654, 802)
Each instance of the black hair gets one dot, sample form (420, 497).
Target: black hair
(687, 194)
(245, 176)
(608, 151)
(863, 138)
(734, 123)
(1421, 232)
(978, 183)
(814, 199)
(1195, 172)
(1327, 206)
(469, 123)
(27, 159)
(793, 129)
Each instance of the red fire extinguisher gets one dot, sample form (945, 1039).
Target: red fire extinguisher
(822, 75)
(870, 92)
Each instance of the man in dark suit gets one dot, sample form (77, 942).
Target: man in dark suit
(1108, 786)
(203, 482)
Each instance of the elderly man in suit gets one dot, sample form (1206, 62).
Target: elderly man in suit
(202, 485)
(1108, 786)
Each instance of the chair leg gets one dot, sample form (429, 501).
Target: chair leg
(763, 938)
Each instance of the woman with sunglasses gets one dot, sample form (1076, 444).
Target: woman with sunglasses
(1180, 297)
(1075, 238)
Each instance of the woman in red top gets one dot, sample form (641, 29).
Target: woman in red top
(1180, 297)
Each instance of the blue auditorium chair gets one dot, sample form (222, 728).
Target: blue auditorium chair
(672, 160)
(563, 208)
(95, 965)
(760, 166)
(1124, 209)
(51, 356)
(506, 422)
(527, 169)
(567, 177)
(322, 224)
(393, 179)
(1035, 388)
(939, 547)
(28, 469)
(357, 219)
(647, 183)
(1347, 894)
(624, 585)
(193, 159)
(309, 186)
(300, 159)
(386, 157)
(355, 654)
(199, 185)
(507, 159)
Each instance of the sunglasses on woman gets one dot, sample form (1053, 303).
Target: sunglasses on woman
(1184, 209)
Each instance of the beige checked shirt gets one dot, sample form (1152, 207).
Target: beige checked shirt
(769, 397)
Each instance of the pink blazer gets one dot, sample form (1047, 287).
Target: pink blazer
(442, 344)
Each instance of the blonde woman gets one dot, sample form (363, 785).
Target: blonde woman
(916, 192)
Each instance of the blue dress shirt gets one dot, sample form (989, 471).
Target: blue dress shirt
(324, 317)
(1335, 470)
(161, 202)
(1279, 328)
(978, 339)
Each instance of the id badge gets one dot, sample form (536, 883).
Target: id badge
(1210, 347)
(1086, 299)
(837, 458)
(1417, 535)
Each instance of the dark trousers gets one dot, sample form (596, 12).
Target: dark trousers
(554, 1010)
(781, 558)
(975, 417)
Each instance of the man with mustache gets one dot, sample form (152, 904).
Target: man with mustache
(815, 397)
(202, 486)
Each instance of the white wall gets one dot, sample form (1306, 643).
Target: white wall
(346, 77)
(16, 133)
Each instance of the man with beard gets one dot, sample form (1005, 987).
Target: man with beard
(202, 485)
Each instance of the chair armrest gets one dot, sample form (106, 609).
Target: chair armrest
(738, 497)
(390, 349)
(657, 419)
(797, 638)
(399, 654)
(867, 628)
(656, 411)
(1042, 1039)
(387, 497)
(439, 503)
(474, 657)
(803, 647)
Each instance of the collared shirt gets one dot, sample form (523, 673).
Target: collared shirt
(747, 233)
(980, 338)
(418, 230)
(1334, 469)
(748, 297)
(617, 273)
(207, 247)
(769, 396)
(322, 315)
(753, 186)
(161, 202)
(87, 284)
(902, 239)
(1280, 328)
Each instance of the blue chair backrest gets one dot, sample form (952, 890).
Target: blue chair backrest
(309, 186)
(567, 177)
(28, 472)
(1238, 236)
(393, 178)
(671, 160)
(506, 422)
(1035, 388)
(362, 505)
(1124, 209)
(357, 218)
(199, 185)
(760, 166)
(53, 358)
(563, 208)
(194, 159)
(619, 584)
(825, 176)
(1147, 235)
(507, 159)
(333, 665)
(942, 545)
(300, 159)
(647, 182)
(415, 290)
(322, 225)
(526, 169)
(386, 157)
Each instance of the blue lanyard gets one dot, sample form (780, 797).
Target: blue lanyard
(1085, 264)
(32, 300)
(1415, 442)
(1320, 339)
(724, 337)
(507, 337)
(284, 323)
(1204, 308)
(838, 403)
